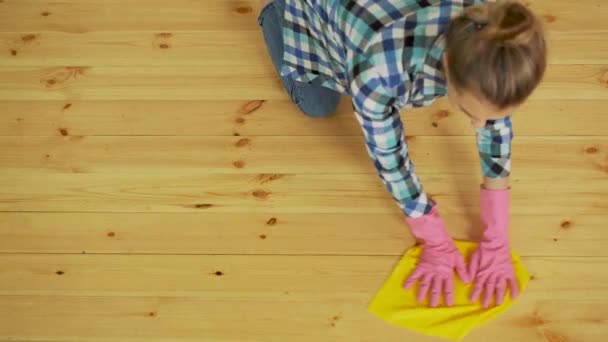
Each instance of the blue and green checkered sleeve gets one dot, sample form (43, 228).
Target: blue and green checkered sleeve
(376, 111)
(494, 144)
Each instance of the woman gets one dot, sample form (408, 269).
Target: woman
(390, 55)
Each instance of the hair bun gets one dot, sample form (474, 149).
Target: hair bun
(497, 51)
(510, 22)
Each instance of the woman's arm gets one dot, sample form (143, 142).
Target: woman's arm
(494, 143)
(375, 106)
(496, 183)
(387, 147)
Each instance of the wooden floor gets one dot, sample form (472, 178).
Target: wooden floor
(157, 185)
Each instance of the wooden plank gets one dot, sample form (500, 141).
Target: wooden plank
(324, 234)
(161, 289)
(577, 47)
(536, 194)
(591, 83)
(562, 82)
(580, 156)
(209, 48)
(558, 15)
(272, 118)
(79, 16)
(189, 319)
(224, 277)
(102, 48)
(543, 321)
(125, 83)
(209, 319)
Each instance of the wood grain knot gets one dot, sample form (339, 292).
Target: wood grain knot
(45, 13)
(442, 114)
(251, 106)
(14, 52)
(239, 164)
(549, 18)
(261, 194)
(243, 142)
(272, 221)
(28, 38)
(334, 320)
(111, 234)
(63, 75)
(591, 150)
(263, 236)
(244, 9)
(64, 132)
(60, 272)
(67, 106)
(164, 46)
(240, 121)
(264, 178)
(566, 225)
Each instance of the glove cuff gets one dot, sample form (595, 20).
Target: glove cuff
(495, 207)
(430, 228)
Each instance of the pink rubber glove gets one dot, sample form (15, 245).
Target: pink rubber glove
(438, 260)
(491, 266)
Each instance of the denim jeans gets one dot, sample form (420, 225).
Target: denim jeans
(313, 100)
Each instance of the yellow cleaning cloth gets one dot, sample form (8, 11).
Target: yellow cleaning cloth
(399, 307)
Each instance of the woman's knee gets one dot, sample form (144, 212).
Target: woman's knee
(318, 113)
(320, 104)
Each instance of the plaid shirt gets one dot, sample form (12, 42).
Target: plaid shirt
(386, 54)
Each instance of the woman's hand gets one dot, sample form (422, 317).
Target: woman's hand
(438, 260)
(435, 270)
(491, 266)
(492, 269)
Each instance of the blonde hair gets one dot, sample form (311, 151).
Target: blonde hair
(497, 50)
